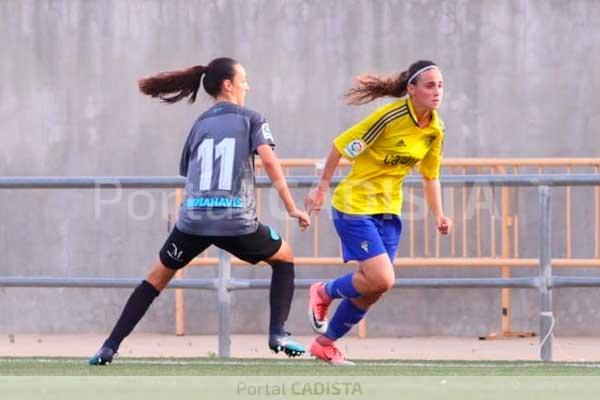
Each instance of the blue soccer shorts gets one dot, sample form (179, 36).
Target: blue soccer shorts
(367, 236)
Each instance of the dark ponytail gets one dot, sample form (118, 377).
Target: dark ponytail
(185, 83)
(372, 87)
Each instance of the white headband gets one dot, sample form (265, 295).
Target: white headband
(412, 78)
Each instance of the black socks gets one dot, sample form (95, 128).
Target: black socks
(134, 310)
(280, 300)
(280, 296)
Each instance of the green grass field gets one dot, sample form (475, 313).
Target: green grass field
(284, 367)
(223, 379)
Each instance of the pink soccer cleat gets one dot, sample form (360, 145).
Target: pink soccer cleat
(318, 303)
(329, 354)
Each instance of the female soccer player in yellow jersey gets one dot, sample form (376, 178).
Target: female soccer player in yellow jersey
(383, 148)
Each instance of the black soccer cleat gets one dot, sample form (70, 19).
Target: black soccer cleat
(104, 356)
(286, 344)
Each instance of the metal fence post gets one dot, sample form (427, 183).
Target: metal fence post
(545, 243)
(224, 304)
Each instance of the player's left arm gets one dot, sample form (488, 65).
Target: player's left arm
(430, 170)
(433, 196)
(272, 167)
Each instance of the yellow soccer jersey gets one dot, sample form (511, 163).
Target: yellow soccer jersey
(384, 147)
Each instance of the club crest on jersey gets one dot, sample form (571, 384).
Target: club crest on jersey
(355, 148)
(266, 131)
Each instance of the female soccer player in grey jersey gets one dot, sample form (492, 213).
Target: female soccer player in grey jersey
(220, 206)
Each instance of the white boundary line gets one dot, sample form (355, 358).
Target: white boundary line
(431, 364)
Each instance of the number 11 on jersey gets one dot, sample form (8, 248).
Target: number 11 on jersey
(208, 153)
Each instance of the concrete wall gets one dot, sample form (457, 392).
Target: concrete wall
(521, 81)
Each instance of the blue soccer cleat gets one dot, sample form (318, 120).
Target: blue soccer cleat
(104, 356)
(286, 344)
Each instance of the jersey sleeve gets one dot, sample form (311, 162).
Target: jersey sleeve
(185, 156)
(431, 163)
(355, 140)
(260, 132)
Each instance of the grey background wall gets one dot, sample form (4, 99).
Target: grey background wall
(522, 78)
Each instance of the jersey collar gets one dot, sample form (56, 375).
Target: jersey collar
(413, 115)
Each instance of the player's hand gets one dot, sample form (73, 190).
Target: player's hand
(444, 225)
(302, 217)
(314, 200)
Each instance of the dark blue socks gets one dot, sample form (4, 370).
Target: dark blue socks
(342, 288)
(347, 313)
(346, 316)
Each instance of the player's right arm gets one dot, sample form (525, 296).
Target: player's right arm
(349, 144)
(185, 155)
(316, 197)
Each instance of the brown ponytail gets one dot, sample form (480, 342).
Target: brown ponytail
(185, 83)
(371, 87)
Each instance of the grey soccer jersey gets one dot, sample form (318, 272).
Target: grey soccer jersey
(218, 163)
